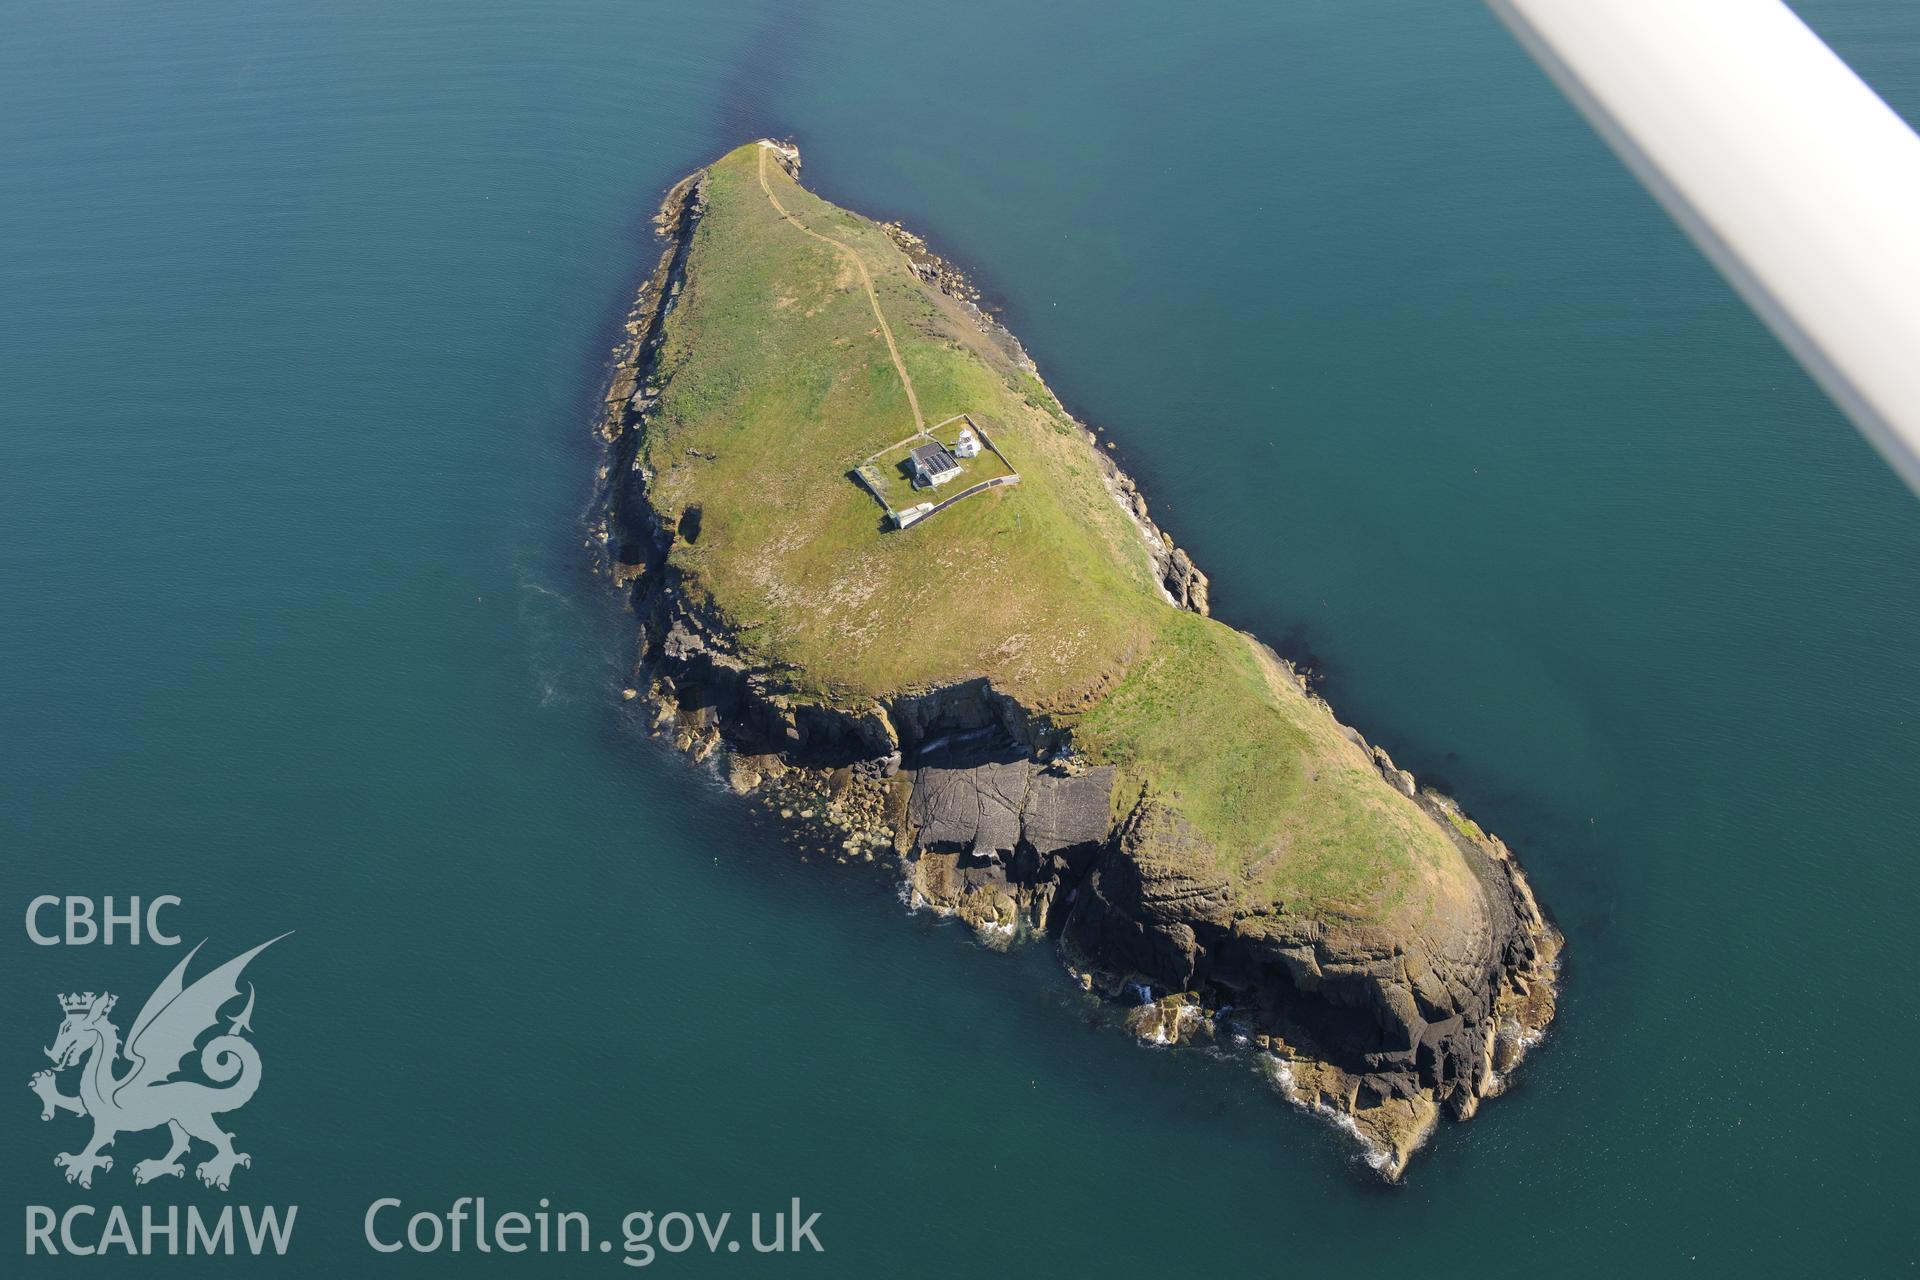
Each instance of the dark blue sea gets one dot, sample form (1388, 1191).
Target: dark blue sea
(304, 316)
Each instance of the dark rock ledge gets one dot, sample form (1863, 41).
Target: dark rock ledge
(987, 815)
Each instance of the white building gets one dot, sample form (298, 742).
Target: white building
(933, 465)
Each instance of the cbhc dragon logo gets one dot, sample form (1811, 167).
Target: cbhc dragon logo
(146, 1095)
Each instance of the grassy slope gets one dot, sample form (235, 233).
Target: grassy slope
(774, 364)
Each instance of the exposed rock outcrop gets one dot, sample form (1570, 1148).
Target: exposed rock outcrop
(988, 814)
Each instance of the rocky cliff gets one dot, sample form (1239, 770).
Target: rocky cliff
(1014, 807)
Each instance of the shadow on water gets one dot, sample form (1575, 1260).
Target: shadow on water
(760, 77)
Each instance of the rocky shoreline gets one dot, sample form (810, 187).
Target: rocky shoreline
(982, 807)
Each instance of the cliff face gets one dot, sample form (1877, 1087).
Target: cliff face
(1382, 953)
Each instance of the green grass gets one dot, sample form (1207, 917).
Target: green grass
(896, 483)
(772, 362)
(1295, 810)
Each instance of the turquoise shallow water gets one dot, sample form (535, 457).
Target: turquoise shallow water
(303, 312)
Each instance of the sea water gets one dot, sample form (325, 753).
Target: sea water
(304, 311)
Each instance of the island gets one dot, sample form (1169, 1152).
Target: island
(888, 586)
